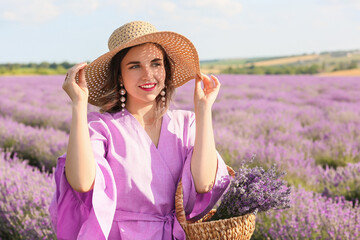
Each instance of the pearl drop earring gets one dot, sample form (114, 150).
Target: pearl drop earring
(163, 99)
(122, 99)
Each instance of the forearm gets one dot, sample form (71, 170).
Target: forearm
(80, 163)
(204, 158)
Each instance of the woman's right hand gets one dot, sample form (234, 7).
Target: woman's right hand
(78, 92)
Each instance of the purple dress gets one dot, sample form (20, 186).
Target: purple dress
(135, 182)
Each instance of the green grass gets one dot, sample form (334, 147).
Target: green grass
(334, 162)
(32, 71)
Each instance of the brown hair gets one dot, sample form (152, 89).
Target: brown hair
(110, 101)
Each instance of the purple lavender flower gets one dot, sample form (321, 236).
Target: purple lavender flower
(312, 216)
(307, 125)
(25, 195)
(41, 146)
(253, 190)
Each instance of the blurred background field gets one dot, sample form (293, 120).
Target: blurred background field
(290, 74)
(308, 125)
(335, 63)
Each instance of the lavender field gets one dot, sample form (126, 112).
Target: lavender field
(308, 126)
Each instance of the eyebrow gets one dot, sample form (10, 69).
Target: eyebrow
(138, 62)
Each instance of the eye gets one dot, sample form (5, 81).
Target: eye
(134, 66)
(156, 64)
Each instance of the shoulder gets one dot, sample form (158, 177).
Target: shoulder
(181, 114)
(99, 122)
(99, 117)
(183, 126)
(182, 117)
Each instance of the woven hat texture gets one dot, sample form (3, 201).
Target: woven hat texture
(185, 58)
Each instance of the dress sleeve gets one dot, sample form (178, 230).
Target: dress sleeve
(196, 205)
(77, 215)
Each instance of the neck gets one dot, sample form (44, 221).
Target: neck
(145, 113)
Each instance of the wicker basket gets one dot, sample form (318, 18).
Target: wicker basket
(233, 228)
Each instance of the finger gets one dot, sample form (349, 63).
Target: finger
(216, 81)
(198, 81)
(207, 82)
(82, 80)
(66, 77)
(75, 69)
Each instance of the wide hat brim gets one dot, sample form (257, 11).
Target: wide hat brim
(185, 61)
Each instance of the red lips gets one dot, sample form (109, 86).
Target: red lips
(148, 86)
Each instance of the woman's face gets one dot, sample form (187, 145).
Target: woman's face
(143, 73)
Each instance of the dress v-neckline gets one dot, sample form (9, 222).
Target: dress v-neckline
(146, 134)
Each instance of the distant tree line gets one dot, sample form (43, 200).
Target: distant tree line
(345, 65)
(270, 70)
(291, 69)
(35, 68)
(46, 68)
(54, 65)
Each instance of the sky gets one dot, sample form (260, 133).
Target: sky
(78, 30)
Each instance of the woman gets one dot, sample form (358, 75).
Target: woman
(119, 176)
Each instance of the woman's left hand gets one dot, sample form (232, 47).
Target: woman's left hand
(205, 97)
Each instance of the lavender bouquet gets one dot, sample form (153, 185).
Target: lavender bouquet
(253, 190)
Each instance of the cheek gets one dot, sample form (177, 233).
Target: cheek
(128, 77)
(161, 79)
(161, 75)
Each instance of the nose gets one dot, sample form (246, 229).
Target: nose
(147, 73)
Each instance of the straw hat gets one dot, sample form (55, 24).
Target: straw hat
(179, 49)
